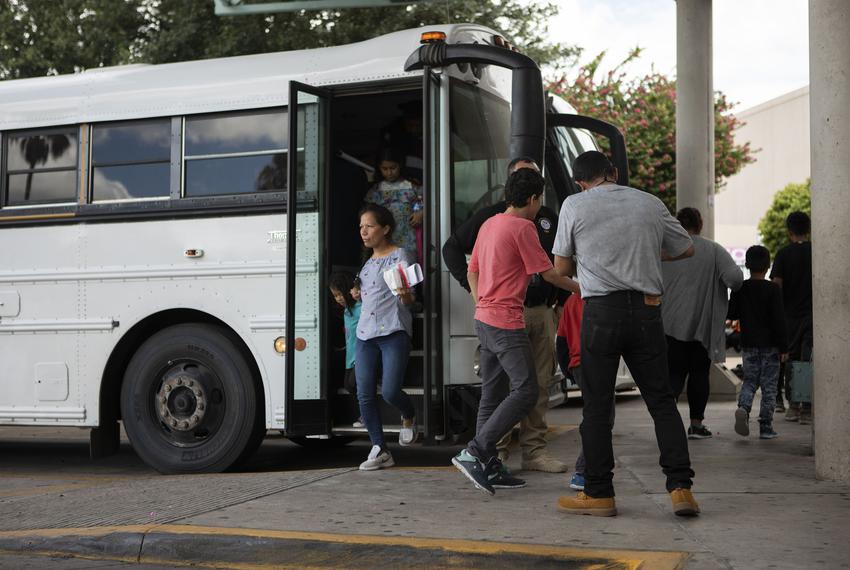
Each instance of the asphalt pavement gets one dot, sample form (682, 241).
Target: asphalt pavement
(294, 507)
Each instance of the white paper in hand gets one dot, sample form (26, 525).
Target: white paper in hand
(400, 277)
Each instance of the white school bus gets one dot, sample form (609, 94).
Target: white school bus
(167, 231)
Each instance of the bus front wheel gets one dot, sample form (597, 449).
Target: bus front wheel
(189, 401)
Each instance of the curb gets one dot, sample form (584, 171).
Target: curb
(261, 549)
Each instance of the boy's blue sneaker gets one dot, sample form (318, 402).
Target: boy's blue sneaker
(474, 470)
(500, 477)
(577, 481)
(766, 432)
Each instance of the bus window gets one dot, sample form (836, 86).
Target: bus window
(567, 147)
(584, 140)
(41, 167)
(236, 153)
(131, 161)
(480, 139)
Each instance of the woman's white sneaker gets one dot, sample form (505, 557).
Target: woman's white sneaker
(377, 459)
(407, 433)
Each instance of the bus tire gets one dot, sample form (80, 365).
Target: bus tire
(189, 400)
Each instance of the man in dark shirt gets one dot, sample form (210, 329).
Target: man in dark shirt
(792, 270)
(539, 323)
(758, 306)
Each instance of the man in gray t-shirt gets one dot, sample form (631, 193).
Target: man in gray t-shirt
(618, 237)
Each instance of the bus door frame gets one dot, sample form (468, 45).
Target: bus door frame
(432, 345)
(304, 417)
(616, 144)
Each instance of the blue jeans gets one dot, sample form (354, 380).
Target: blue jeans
(392, 351)
(761, 370)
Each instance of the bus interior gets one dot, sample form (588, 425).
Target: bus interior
(362, 124)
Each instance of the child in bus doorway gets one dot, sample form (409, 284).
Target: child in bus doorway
(347, 296)
(383, 333)
(402, 197)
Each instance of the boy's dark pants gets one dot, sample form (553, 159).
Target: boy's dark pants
(506, 360)
(622, 324)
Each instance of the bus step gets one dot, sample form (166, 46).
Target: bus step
(410, 390)
(350, 430)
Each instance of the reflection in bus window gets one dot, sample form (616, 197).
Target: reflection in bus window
(567, 148)
(236, 153)
(480, 149)
(585, 140)
(131, 161)
(41, 167)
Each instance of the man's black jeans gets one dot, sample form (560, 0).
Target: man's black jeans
(622, 324)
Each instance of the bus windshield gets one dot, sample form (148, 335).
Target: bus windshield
(480, 148)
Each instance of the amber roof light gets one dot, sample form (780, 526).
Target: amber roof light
(430, 37)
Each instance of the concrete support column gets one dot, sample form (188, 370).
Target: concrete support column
(829, 58)
(695, 110)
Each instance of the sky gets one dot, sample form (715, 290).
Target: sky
(760, 46)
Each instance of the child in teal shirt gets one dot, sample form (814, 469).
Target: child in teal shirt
(347, 295)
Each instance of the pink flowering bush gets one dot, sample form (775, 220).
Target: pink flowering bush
(644, 109)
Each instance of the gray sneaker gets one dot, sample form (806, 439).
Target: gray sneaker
(377, 459)
(742, 422)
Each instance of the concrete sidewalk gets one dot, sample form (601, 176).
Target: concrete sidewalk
(761, 506)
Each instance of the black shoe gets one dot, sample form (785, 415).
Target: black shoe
(699, 432)
(500, 477)
(474, 470)
(766, 432)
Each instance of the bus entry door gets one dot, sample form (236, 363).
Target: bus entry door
(306, 404)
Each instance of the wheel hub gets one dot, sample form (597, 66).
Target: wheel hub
(181, 402)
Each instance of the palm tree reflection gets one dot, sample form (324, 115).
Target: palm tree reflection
(36, 151)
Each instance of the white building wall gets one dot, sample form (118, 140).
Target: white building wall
(779, 131)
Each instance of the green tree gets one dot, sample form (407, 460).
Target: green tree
(42, 37)
(792, 198)
(644, 108)
(49, 37)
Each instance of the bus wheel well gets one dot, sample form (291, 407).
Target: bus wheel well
(113, 374)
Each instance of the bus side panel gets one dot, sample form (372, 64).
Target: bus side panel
(231, 268)
(132, 270)
(40, 321)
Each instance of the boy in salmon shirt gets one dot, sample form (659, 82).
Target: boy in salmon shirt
(506, 254)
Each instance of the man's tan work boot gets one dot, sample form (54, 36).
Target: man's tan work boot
(684, 503)
(581, 504)
(544, 462)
